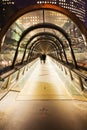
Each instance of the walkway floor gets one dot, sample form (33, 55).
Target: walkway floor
(48, 82)
(44, 103)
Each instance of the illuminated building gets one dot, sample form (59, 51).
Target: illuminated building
(7, 2)
(76, 6)
(7, 8)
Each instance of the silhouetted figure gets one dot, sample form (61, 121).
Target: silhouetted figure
(43, 58)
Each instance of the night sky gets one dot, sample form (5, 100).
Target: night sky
(23, 3)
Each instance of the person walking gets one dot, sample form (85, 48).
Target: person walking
(44, 58)
(41, 59)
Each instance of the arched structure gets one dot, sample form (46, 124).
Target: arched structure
(47, 7)
(46, 34)
(45, 27)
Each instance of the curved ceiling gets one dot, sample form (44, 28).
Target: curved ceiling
(43, 28)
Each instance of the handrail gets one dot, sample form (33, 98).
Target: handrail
(13, 70)
(77, 71)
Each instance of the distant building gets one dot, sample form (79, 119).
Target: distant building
(7, 8)
(7, 2)
(76, 6)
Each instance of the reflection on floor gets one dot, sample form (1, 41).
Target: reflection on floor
(48, 82)
(45, 103)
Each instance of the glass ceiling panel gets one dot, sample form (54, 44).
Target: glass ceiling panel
(32, 33)
(42, 16)
(30, 19)
(55, 18)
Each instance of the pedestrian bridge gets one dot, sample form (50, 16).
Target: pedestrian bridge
(58, 33)
(48, 29)
(43, 96)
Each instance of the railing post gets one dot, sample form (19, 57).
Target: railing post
(23, 71)
(71, 77)
(18, 75)
(8, 82)
(80, 83)
(61, 68)
(65, 71)
(27, 68)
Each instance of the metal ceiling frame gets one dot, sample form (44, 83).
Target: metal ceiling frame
(37, 44)
(52, 36)
(58, 40)
(55, 8)
(50, 40)
(46, 25)
(51, 7)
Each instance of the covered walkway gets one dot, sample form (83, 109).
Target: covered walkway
(46, 100)
(50, 96)
(47, 82)
(43, 29)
